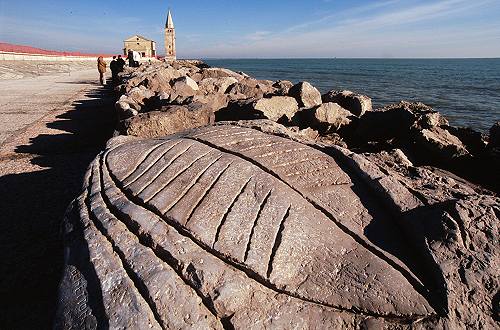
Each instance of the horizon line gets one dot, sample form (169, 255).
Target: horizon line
(347, 58)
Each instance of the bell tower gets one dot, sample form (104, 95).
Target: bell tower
(170, 53)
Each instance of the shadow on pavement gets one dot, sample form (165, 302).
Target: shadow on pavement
(31, 254)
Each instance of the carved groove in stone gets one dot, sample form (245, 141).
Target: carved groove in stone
(277, 242)
(175, 176)
(144, 166)
(229, 209)
(261, 207)
(188, 187)
(205, 193)
(157, 173)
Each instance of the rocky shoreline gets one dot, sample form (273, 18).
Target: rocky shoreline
(341, 118)
(362, 218)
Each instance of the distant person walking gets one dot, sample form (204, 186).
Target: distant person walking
(101, 67)
(113, 66)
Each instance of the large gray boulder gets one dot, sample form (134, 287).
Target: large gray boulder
(397, 121)
(140, 94)
(229, 227)
(156, 78)
(216, 85)
(214, 101)
(357, 104)
(170, 120)
(158, 82)
(277, 107)
(330, 117)
(220, 73)
(124, 110)
(250, 88)
(185, 86)
(306, 95)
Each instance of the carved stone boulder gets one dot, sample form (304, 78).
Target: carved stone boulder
(229, 227)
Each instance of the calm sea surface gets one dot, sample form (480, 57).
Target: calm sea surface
(466, 91)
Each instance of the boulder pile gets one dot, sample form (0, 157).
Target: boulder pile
(344, 118)
(228, 202)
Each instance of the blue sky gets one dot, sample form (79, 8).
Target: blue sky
(263, 29)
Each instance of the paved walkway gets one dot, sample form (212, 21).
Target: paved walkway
(18, 98)
(52, 127)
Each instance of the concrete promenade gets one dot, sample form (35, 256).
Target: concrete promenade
(51, 128)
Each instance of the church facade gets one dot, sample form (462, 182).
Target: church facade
(170, 51)
(145, 46)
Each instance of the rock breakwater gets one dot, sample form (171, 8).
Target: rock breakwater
(233, 202)
(347, 118)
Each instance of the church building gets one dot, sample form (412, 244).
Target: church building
(170, 52)
(140, 44)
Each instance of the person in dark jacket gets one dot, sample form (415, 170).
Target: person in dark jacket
(121, 63)
(114, 70)
(130, 58)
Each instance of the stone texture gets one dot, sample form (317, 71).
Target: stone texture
(440, 143)
(306, 95)
(459, 228)
(306, 136)
(220, 73)
(432, 119)
(140, 94)
(155, 77)
(158, 82)
(133, 102)
(357, 104)
(216, 85)
(282, 87)
(239, 225)
(330, 117)
(250, 88)
(185, 86)
(215, 101)
(170, 120)
(277, 107)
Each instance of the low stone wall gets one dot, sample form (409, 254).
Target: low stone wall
(8, 56)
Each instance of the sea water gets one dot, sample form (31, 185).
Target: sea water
(466, 91)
